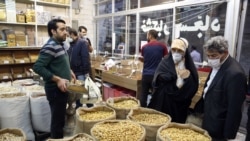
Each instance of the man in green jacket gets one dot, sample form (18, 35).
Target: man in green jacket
(53, 65)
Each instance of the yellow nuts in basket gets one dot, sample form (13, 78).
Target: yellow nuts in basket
(182, 134)
(96, 115)
(8, 136)
(118, 131)
(150, 118)
(126, 104)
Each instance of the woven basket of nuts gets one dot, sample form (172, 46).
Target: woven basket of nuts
(123, 105)
(87, 117)
(12, 134)
(182, 132)
(150, 119)
(118, 130)
(77, 137)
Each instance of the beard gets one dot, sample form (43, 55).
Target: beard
(61, 38)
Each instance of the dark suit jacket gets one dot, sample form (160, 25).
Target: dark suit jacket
(223, 101)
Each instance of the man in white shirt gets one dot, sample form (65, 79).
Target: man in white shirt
(224, 92)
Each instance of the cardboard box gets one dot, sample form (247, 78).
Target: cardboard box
(20, 18)
(20, 38)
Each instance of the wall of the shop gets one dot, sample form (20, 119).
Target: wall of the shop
(85, 17)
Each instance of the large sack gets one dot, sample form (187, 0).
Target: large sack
(87, 117)
(12, 134)
(181, 132)
(123, 105)
(118, 130)
(15, 113)
(40, 112)
(150, 119)
(77, 137)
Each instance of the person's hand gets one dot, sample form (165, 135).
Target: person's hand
(62, 84)
(73, 76)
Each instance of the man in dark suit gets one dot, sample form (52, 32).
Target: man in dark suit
(224, 92)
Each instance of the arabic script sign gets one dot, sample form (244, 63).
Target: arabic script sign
(180, 27)
(156, 25)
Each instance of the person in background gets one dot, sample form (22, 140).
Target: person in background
(224, 92)
(175, 82)
(53, 65)
(68, 39)
(152, 54)
(248, 111)
(79, 58)
(196, 56)
(83, 35)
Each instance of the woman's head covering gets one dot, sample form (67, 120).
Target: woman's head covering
(180, 43)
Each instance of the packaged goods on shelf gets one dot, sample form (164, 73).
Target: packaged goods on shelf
(2, 12)
(6, 58)
(43, 17)
(20, 17)
(11, 10)
(9, 36)
(30, 16)
(20, 38)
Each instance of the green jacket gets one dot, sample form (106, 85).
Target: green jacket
(52, 60)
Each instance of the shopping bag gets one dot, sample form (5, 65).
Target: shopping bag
(94, 94)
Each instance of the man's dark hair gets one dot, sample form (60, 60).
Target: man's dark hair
(52, 24)
(73, 31)
(82, 27)
(153, 33)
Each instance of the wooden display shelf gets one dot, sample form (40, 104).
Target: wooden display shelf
(123, 81)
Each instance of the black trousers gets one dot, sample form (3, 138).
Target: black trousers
(57, 101)
(146, 86)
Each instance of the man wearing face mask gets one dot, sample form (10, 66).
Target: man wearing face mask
(152, 54)
(79, 57)
(175, 82)
(224, 92)
(83, 35)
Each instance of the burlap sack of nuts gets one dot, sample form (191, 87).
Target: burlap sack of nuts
(77, 137)
(180, 132)
(87, 117)
(123, 105)
(12, 134)
(150, 119)
(118, 130)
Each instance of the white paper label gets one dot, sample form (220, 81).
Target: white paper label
(19, 76)
(6, 61)
(22, 61)
(5, 77)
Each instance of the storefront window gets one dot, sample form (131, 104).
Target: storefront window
(104, 35)
(145, 3)
(161, 21)
(199, 23)
(120, 5)
(104, 7)
(133, 4)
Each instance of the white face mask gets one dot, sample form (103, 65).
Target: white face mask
(214, 63)
(69, 39)
(177, 57)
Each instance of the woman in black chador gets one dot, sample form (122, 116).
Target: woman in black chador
(175, 82)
